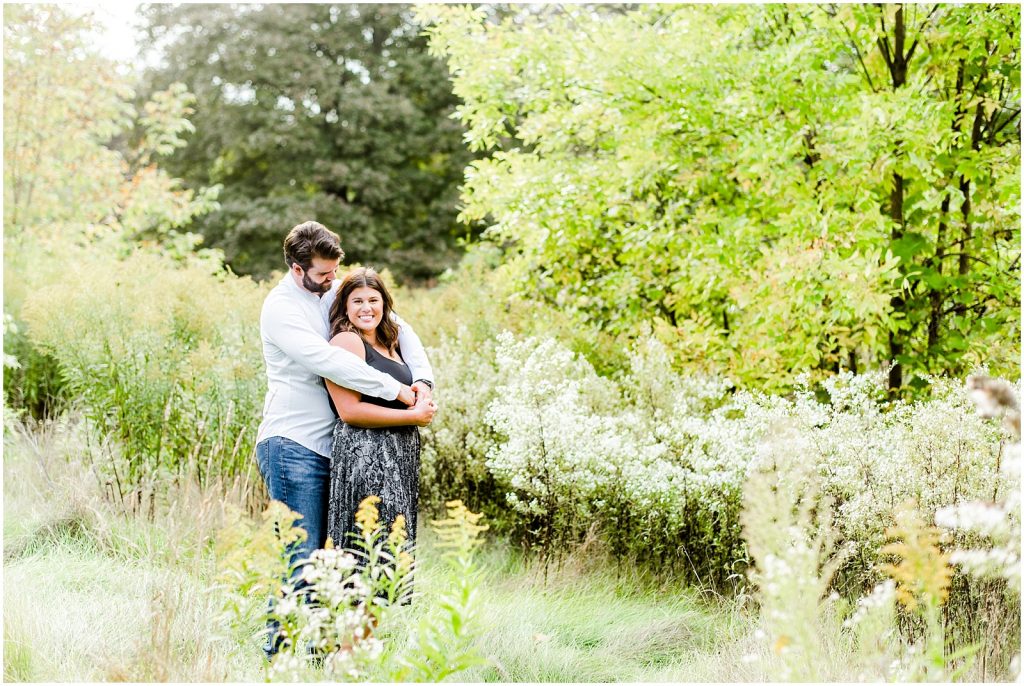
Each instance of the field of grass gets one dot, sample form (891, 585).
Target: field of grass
(96, 595)
(91, 594)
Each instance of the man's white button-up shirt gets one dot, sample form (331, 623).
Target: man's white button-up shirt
(294, 327)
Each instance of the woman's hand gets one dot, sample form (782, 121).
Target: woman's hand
(423, 411)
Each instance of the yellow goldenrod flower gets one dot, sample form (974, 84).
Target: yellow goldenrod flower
(459, 531)
(923, 573)
(367, 516)
(398, 534)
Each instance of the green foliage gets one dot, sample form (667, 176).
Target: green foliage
(753, 179)
(63, 103)
(66, 191)
(454, 450)
(32, 380)
(334, 613)
(332, 112)
(164, 357)
(444, 644)
(252, 558)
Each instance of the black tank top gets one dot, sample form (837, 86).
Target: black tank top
(398, 370)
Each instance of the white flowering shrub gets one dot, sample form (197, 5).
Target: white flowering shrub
(340, 614)
(896, 632)
(653, 385)
(869, 457)
(326, 617)
(995, 521)
(656, 460)
(328, 611)
(790, 536)
(454, 449)
(988, 531)
(574, 452)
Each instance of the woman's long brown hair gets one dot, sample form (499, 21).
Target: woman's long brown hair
(364, 277)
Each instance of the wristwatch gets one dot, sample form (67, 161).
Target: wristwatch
(430, 384)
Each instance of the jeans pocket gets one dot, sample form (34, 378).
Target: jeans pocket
(263, 449)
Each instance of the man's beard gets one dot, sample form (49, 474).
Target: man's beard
(313, 287)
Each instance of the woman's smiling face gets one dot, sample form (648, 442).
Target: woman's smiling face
(365, 308)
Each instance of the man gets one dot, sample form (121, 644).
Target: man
(293, 446)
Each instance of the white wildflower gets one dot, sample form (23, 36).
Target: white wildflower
(882, 595)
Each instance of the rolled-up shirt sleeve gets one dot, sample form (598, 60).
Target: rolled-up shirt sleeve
(287, 329)
(412, 351)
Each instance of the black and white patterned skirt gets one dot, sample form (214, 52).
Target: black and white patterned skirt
(382, 462)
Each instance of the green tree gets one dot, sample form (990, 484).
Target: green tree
(67, 180)
(953, 160)
(780, 188)
(332, 112)
(80, 174)
(58, 105)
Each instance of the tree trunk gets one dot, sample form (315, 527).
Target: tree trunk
(897, 303)
(896, 59)
(936, 297)
(965, 188)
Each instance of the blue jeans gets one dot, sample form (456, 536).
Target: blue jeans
(299, 478)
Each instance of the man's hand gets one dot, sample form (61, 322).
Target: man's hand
(422, 391)
(407, 395)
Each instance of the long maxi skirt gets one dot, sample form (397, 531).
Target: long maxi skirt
(381, 462)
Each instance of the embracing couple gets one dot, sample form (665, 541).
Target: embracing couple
(348, 385)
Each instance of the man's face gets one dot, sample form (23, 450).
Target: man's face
(319, 277)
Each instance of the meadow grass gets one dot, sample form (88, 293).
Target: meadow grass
(93, 594)
(593, 624)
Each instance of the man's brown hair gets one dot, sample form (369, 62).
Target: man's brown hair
(308, 240)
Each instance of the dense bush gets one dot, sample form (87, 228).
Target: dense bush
(938, 607)
(656, 461)
(454, 449)
(32, 380)
(80, 177)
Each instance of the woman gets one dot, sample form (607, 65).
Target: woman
(376, 449)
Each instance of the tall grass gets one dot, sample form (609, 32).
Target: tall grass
(163, 357)
(94, 593)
